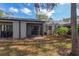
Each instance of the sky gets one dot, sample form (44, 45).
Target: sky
(61, 11)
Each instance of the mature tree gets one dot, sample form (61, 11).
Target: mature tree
(40, 15)
(75, 41)
(66, 19)
(1, 13)
(8, 14)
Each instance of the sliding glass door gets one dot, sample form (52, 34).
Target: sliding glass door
(6, 30)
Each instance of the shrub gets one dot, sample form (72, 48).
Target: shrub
(78, 28)
(62, 30)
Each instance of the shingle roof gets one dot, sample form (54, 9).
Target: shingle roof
(19, 19)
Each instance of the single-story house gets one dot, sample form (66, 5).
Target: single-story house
(22, 28)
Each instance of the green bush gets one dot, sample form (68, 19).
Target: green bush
(62, 30)
(78, 28)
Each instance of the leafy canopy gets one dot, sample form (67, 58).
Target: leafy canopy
(1, 13)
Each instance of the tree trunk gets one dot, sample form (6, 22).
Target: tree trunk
(75, 41)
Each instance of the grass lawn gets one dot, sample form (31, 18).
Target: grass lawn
(49, 46)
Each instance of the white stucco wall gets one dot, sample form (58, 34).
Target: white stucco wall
(53, 28)
(15, 29)
(44, 28)
(23, 29)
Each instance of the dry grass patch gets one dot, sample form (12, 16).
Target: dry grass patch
(49, 46)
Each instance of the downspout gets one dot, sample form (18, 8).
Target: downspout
(19, 29)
